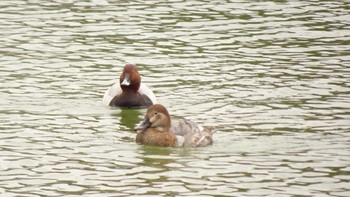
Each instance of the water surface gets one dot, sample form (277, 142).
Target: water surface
(273, 77)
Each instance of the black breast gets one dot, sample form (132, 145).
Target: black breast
(131, 100)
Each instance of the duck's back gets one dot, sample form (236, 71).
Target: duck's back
(192, 134)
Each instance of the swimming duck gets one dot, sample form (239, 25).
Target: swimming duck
(158, 129)
(129, 91)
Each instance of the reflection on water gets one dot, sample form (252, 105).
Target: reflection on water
(271, 76)
(129, 118)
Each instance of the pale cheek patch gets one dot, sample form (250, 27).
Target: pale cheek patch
(152, 119)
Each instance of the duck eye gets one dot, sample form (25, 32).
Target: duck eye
(155, 113)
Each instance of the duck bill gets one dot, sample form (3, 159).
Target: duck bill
(126, 81)
(143, 125)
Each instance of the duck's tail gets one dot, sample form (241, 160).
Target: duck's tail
(206, 136)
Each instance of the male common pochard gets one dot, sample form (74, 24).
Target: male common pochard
(129, 91)
(158, 129)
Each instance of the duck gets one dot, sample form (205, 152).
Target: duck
(129, 91)
(158, 129)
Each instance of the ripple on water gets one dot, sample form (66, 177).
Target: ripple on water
(271, 76)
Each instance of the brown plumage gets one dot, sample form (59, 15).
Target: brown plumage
(129, 91)
(157, 129)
